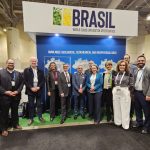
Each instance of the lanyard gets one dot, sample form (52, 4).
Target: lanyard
(120, 79)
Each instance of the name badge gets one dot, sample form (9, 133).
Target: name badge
(13, 83)
(56, 82)
(69, 85)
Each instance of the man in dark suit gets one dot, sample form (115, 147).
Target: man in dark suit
(11, 84)
(78, 83)
(34, 81)
(52, 88)
(65, 91)
(142, 95)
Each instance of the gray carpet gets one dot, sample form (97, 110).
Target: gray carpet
(89, 137)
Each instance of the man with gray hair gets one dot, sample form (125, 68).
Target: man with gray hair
(34, 81)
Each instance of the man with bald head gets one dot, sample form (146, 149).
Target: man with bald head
(34, 81)
(11, 84)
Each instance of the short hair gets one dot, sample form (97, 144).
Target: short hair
(108, 62)
(9, 59)
(127, 55)
(95, 66)
(126, 66)
(141, 56)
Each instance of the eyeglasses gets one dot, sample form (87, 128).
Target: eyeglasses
(109, 65)
(122, 65)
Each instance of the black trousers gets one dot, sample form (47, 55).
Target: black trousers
(32, 99)
(142, 106)
(95, 105)
(7, 103)
(65, 106)
(107, 103)
(54, 103)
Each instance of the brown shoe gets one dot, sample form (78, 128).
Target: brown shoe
(18, 127)
(5, 133)
(42, 120)
(30, 122)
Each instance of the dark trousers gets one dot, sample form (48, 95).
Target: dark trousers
(32, 106)
(79, 104)
(107, 103)
(7, 103)
(65, 106)
(95, 105)
(141, 105)
(54, 103)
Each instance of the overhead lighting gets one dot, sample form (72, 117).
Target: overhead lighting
(110, 37)
(148, 17)
(5, 30)
(56, 34)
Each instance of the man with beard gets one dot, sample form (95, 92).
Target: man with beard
(142, 95)
(11, 84)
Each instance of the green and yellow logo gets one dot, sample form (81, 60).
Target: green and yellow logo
(62, 16)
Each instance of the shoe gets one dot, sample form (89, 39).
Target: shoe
(137, 126)
(5, 133)
(83, 116)
(96, 123)
(144, 131)
(52, 118)
(17, 127)
(42, 120)
(30, 122)
(62, 121)
(75, 117)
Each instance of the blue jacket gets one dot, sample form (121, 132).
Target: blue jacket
(76, 83)
(98, 83)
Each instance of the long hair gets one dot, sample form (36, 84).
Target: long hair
(51, 64)
(126, 66)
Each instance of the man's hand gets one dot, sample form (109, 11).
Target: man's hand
(49, 93)
(8, 93)
(62, 94)
(38, 88)
(34, 89)
(147, 98)
(14, 93)
(80, 91)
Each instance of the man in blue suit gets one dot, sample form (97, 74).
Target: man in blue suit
(78, 82)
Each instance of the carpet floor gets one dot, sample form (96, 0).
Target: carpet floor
(85, 137)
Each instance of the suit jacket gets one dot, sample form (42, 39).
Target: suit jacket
(76, 83)
(28, 79)
(5, 83)
(145, 81)
(63, 85)
(50, 81)
(98, 83)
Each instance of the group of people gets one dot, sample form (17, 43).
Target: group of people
(119, 92)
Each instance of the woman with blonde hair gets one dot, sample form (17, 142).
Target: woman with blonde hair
(121, 94)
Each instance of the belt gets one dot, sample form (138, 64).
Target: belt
(140, 91)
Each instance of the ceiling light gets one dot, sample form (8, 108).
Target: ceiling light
(148, 17)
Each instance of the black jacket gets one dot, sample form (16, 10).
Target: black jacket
(28, 79)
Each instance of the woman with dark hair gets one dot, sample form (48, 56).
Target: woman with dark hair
(52, 88)
(121, 94)
(94, 84)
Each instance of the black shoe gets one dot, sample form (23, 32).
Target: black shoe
(83, 116)
(62, 121)
(137, 126)
(75, 117)
(144, 131)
